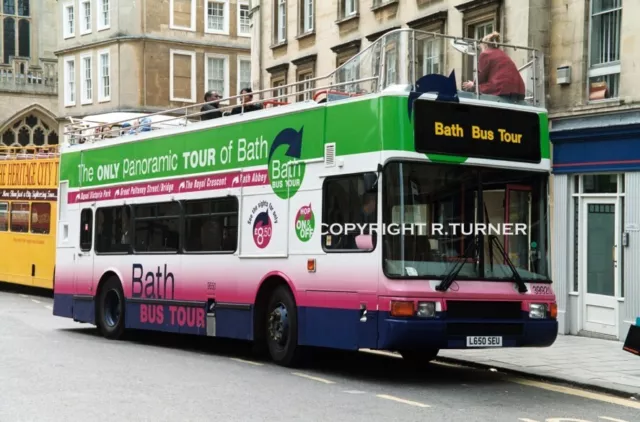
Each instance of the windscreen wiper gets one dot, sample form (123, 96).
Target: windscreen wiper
(493, 240)
(457, 267)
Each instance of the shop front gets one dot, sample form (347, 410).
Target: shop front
(596, 224)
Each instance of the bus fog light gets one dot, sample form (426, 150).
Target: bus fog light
(426, 309)
(537, 310)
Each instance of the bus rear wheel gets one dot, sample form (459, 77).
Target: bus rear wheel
(282, 327)
(110, 309)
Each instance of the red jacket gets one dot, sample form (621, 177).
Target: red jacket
(498, 75)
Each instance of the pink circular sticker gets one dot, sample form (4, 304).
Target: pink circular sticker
(262, 229)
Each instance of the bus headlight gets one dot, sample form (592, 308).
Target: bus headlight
(537, 310)
(426, 309)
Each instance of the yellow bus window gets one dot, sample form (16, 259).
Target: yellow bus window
(40, 217)
(20, 217)
(4, 216)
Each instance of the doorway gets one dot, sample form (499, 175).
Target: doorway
(600, 257)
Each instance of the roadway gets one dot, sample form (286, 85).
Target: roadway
(52, 369)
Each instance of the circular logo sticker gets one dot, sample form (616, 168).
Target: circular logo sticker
(262, 229)
(286, 168)
(305, 223)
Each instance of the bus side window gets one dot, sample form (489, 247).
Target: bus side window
(20, 212)
(40, 217)
(4, 216)
(86, 229)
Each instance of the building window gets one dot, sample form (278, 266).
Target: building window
(182, 15)
(69, 23)
(182, 76)
(70, 82)
(306, 86)
(104, 76)
(216, 72)
(244, 73)
(104, 15)
(87, 80)
(604, 45)
(306, 16)
(280, 24)
(244, 21)
(15, 36)
(347, 8)
(479, 19)
(279, 89)
(217, 16)
(85, 10)
(429, 55)
(29, 130)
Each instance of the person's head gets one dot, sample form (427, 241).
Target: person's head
(211, 96)
(489, 41)
(247, 95)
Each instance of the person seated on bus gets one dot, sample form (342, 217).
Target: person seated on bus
(145, 124)
(246, 103)
(497, 73)
(211, 109)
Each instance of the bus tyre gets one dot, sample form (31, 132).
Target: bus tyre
(110, 315)
(282, 327)
(419, 359)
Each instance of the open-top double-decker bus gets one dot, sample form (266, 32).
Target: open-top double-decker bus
(259, 225)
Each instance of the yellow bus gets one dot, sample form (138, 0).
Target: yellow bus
(28, 206)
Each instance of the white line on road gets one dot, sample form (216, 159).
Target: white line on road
(247, 361)
(611, 419)
(354, 392)
(299, 374)
(49, 307)
(399, 400)
(35, 301)
(23, 295)
(526, 420)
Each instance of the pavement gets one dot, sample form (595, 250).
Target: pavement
(53, 369)
(587, 362)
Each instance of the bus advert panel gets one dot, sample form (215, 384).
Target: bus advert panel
(476, 131)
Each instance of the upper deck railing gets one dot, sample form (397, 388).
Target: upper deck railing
(29, 152)
(393, 62)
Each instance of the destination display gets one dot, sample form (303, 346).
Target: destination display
(476, 131)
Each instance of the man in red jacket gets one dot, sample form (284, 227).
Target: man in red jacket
(497, 73)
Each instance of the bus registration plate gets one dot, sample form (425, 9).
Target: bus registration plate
(484, 341)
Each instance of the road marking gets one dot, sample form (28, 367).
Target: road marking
(611, 419)
(526, 420)
(354, 392)
(299, 374)
(247, 361)
(49, 307)
(576, 392)
(23, 295)
(399, 400)
(35, 301)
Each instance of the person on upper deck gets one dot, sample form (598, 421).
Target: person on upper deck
(210, 109)
(246, 102)
(497, 73)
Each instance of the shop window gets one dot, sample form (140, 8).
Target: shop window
(600, 183)
(20, 217)
(40, 218)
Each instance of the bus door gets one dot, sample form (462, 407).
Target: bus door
(518, 211)
(83, 260)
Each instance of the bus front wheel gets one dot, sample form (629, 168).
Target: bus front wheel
(282, 327)
(110, 312)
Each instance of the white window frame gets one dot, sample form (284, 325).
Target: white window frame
(172, 24)
(70, 95)
(614, 68)
(101, 25)
(227, 82)
(307, 10)
(225, 25)
(68, 32)
(281, 20)
(101, 97)
(239, 60)
(191, 54)
(352, 12)
(83, 10)
(239, 23)
(84, 99)
(307, 85)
